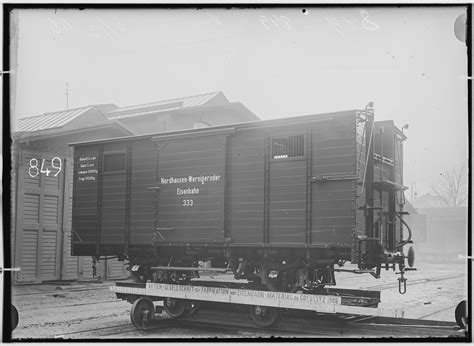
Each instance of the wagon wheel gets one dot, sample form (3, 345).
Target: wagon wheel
(265, 316)
(461, 314)
(141, 306)
(15, 317)
(175, 308)
(281, 281)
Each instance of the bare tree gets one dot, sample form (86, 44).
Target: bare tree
(452, 188)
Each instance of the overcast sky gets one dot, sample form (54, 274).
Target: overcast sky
(278, 62)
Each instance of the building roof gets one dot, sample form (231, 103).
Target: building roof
(50, 120)
(216, 98)
(82, 117)
(59, 119)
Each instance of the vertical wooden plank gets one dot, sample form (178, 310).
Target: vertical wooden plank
(99, 197)
(227, 188)
(266, 189)
(128, 174)
(156, 192)
(39, 277)
(61, 210)
(355, 186)
(65, 226)
(222, 142)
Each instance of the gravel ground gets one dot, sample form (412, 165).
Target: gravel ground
(48, 311)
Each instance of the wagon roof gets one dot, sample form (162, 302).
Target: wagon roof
(216, 129)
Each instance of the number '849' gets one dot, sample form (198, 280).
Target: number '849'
(35, 169)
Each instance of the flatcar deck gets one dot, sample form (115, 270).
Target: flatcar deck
(334, 301)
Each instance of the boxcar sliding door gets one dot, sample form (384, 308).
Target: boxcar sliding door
(191, 179)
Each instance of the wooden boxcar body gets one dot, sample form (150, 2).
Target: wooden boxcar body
(319, 189)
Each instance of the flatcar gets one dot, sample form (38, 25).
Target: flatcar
(282, 203)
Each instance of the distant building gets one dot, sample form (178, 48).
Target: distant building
(446, 231)
(428, 201)
(42, 174)
(184, 113)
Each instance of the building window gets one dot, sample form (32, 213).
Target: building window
(114, 162)
(286, 147)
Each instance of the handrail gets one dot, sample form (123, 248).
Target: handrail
(408, 241)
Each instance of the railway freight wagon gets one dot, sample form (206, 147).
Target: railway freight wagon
(281, 203)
